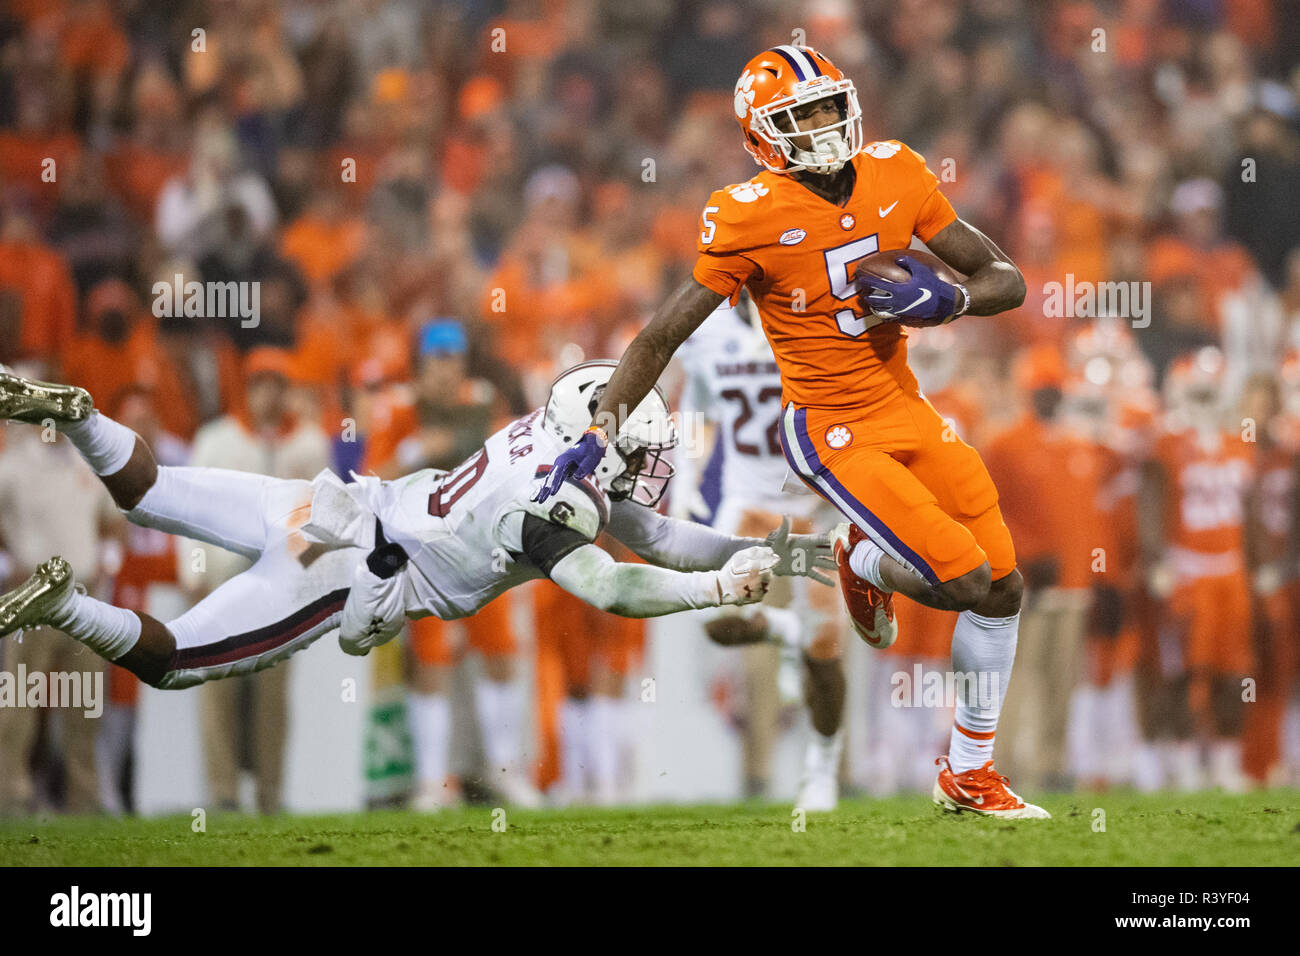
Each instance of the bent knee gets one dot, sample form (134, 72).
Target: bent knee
(966, 592)
(1004, 596)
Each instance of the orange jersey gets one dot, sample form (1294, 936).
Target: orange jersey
(797, 254)
(1206, 481)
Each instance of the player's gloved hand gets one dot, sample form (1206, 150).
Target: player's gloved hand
(576, 462)
(746, 576)
(375, 610)
(801, 554)
(922, 300)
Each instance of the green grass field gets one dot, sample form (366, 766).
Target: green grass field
(1201, 829)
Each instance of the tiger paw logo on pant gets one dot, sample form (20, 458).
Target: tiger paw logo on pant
(839, 436)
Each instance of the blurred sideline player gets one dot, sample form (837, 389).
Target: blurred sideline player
(1271, 540)
(1192, 528)
(584, 657)
(924, 513)
(148, 559)
(443, 419)
(1109, 402)
(732, 378)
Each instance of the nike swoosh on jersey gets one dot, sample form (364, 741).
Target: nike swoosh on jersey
(886, 210)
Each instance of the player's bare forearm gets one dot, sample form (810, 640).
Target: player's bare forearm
(649, 353)
(993, 281)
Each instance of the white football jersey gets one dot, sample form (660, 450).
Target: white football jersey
(462, 529)
(732, 379)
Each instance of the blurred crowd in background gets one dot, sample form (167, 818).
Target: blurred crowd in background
(443, 203)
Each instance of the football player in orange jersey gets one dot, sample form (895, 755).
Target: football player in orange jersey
(923, 511)
(1272, 532)
(1191, 524)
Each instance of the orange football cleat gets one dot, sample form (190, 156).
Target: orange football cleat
(870, 609)
(982, 790)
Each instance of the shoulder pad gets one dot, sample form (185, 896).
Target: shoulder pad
(723, 220)
(580, 505)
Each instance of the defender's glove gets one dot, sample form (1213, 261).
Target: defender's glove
(801, 553)
(374, 611)
(922, 300)
(576, 462)
(746, 576)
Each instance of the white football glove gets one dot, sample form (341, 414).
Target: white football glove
(373, 613)
(801, 554)
(746, 576)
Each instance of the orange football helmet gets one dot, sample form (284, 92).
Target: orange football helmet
(772, 85)
(1194, 388)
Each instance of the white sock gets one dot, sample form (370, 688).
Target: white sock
(1148, 768)
(500, 706)
(573, 734)
(1084, 734)
(107, 630)
(783, 627)
(865, 562)
(1183, 757)
(985, 648)
(1225, 765)
(112, 746)
(823, 753)
(105, 444)
(429, 716)
(602, 747)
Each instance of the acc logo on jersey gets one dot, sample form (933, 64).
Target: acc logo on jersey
(792, 237)
(882, 150)
(847, 221)
(839, 436)
(747, 192)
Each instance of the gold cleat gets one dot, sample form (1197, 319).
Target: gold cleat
(26, 400)
(30, 603)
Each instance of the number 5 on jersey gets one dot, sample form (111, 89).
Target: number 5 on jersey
(838, 261)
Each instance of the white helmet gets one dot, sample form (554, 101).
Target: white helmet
(634, 466)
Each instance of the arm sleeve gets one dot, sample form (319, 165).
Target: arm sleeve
(669, 543)
(633, 590)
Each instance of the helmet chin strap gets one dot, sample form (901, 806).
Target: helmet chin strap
(829, 153)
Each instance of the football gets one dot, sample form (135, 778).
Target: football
(882, 265)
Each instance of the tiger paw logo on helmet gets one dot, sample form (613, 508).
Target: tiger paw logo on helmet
(839, 436)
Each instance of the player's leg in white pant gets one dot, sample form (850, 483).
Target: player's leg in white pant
(293, 594)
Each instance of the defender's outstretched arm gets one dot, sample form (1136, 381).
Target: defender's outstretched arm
(688, 546)
(643, 590)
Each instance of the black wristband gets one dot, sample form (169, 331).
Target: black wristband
(388, 558)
